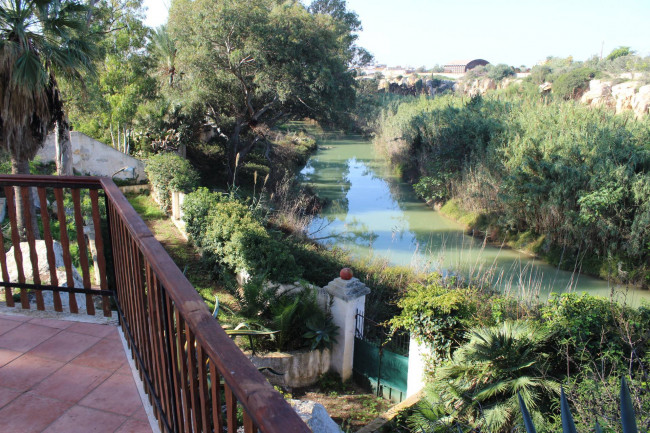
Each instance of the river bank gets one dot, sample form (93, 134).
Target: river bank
(373, 213)
(480, 226)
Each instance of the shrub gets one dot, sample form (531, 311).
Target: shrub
(571, 84)
(540, 74)
(296, 316)
(439, 314)
(619, 52)
(479, 387)
(231, 235)
(196, 211)
(501, 71)
(168, 172)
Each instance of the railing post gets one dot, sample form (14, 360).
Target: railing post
(349, 298)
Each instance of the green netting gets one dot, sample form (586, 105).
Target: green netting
(394, 367)
(394, 370)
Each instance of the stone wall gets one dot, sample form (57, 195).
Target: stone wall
(95, 158)
(299, 369)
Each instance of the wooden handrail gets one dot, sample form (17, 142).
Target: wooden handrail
(181, 351)
(267, 408)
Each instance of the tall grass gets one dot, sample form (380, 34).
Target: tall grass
(578, 176)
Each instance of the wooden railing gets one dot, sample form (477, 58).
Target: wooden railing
(194, 374)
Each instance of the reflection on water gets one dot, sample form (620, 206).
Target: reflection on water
(372, 212)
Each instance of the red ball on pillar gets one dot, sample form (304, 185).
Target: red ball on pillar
(346, 274)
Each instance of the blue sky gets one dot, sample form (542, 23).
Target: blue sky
(429, 32)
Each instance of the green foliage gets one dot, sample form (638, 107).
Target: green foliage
(628, 418)
(231, 235)
(295, 316)
(574, 177)
(42, 42)
(168, 172)
(439, 314)
(269, 62)
(432, 188)
(108, 107)
(619, 52)
(196, 212)
(501, 71)
(540, 74)
(571, 84)
(481, 385)
(578, 322)
(322, 333)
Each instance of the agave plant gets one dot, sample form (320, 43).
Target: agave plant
(628, 418)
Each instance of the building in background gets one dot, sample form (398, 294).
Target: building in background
(462, 66)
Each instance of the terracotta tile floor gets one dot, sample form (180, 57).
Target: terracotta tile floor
(61, 376)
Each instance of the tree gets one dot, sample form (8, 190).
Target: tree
(164, 48)
(40, 41)
(619, 52)
(250, 65)
(108, 107)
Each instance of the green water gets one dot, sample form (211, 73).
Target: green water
(373, 212)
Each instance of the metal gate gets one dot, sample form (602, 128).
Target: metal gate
(380, 359)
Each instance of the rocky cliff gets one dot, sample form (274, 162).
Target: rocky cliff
(629, 95)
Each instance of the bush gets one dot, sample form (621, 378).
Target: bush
(540, 74)
(619, 52)
(229, 233)
(440, 314)
(196, 210)
(480, 384)
(501, 71)
(297, 317)
(167, 173)
(575, 176)
(573, 83)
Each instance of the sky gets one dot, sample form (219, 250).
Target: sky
(524, 32)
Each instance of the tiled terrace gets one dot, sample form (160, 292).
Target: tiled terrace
(64, 376)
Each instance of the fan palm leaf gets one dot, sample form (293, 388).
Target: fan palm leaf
(481, 383)
(40, 40)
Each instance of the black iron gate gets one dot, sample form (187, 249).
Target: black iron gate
(380, 359)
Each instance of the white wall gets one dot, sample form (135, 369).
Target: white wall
(95, 158)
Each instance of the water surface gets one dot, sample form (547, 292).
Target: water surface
(373, 212)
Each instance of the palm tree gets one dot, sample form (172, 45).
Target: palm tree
(480, 384)
(39, 40)
(164, 47)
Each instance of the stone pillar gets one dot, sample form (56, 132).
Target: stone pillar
(176, 207)
(349, 297)
(415, 381)
(89, 231)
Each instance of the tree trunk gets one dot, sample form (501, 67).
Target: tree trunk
(63, 148)
(22, 167)
(110, 127)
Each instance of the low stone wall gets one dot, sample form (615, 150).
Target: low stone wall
(135, 189)
(301, 368)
